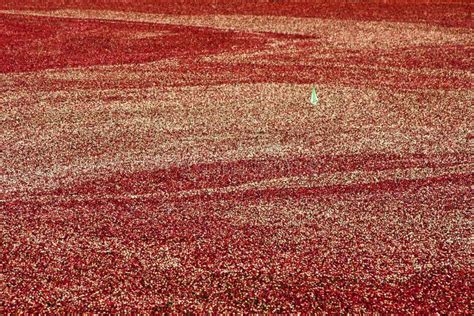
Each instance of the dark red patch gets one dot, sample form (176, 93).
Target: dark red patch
(35, 43)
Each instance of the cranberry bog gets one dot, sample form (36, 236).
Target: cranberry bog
(164, 157)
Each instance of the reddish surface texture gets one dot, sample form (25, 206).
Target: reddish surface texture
(443, 12)
(161, 157)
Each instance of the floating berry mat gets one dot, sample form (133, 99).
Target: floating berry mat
(164, 156)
